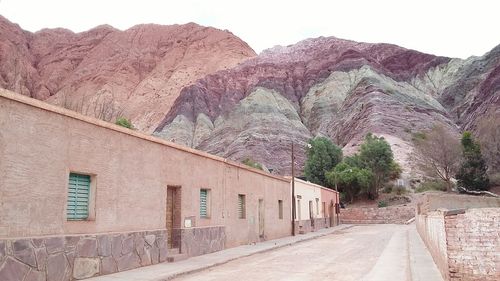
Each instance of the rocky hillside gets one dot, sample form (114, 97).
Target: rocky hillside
(206, 88)
(331, 87)
(106, 72)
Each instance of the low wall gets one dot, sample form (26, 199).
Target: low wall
(80, 256)
(396, 215)
(434, 201)
(200, 240)
(431, 228)
(464, 243)
(305, 226)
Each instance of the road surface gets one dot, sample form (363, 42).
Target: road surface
(363, 252)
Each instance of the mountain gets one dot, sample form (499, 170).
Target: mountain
(330, 87)
(207, 89)
(106, 72)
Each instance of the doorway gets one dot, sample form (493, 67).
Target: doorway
(261, 218)
(173, 214)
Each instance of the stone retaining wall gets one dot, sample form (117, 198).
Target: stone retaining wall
(64, 258)
(396, 215)
(200, 240)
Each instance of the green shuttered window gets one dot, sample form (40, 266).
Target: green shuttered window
(78, 197)
(203, 203)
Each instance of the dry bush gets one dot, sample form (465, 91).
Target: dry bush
(438, 154)
(101, 107)
(488, 132)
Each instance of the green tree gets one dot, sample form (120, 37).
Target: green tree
(322, 156)
(124, 122)
(472, 173)
(376, 154)
(351, 180)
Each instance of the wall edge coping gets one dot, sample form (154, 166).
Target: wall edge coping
(453, 212)
(312, 184)
(6, 94)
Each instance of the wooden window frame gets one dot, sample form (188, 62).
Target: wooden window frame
(91, 213)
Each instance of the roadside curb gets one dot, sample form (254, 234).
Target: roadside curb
(275, 247)
(169, 271)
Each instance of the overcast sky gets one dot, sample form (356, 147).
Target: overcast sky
(441, 27)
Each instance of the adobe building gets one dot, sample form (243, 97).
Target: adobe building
(316, 206)
(80, 197)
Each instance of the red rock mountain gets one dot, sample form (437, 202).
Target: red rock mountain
(206, 89)
(335, 88)
(106, 72)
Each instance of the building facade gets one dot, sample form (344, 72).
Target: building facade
(80, 197)
(316, 206)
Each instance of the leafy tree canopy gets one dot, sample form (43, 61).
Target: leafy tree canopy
(322, 156)
(472, 173)
(376, 155)
(352, 180)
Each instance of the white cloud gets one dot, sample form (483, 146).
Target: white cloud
(449, 28)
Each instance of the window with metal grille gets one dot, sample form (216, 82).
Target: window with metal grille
(280, 209)
(78, 197)
(204, 211)
(241, 206)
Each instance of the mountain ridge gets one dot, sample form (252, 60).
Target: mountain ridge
(207, 89)
(352, 83)
(137, 72)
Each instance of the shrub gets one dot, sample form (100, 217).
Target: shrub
(124, 122)
(431, 185)
(418, 136)
(388, 188)
(252, 163)
(399, 190)
(382, 204)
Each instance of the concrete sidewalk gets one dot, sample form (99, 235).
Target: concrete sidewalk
(168, 271)
(422, 265)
